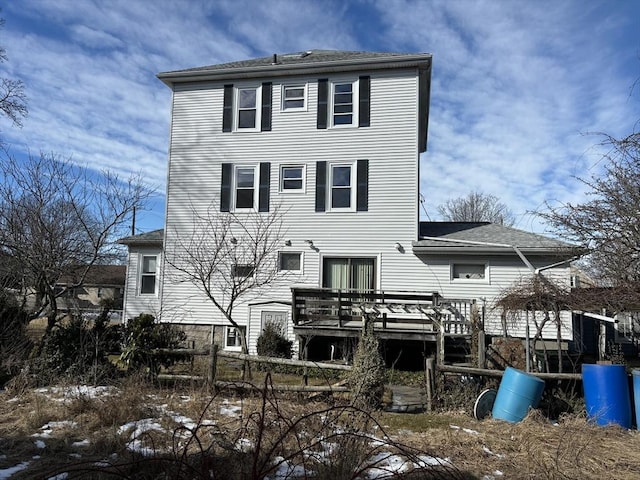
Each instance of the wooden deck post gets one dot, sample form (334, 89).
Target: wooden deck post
(440, 341)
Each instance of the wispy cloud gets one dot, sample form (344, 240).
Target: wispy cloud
(515, 84)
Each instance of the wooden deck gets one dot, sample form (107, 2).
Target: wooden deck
(398, 315)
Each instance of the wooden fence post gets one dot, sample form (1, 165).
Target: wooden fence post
(213, 361)
(430, 374)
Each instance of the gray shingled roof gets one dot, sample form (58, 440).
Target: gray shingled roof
(154, 237)
(298, 63)
(308, 57)
(484, 237)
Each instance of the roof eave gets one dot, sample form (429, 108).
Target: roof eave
(476, 250)
(277, 70)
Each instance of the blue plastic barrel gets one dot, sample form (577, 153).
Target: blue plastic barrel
(606, 394)
(518, 392)
(636, 395)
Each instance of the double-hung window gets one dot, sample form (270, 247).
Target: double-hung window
(233, 340)
(294, 97)
(292, 178)
(247, 114)
(341, 184)
(343, 101)
(247, 108)
(148, 275)
(245, 188)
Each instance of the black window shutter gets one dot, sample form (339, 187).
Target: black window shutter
(364, 95)
(263, 190)
(362, 183)
(265, 118)
(321, 186)
(225, 189)
(323, 99)
(227, 109)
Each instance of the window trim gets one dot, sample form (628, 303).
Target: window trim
(303, 176)
(287, 252)
(355, 103)
(376, 268)
(234, 189)
(283, 98)
(352, 187)
(257, 107)
(243, 270)
(454, 279)
(237, 346)
(142, 274)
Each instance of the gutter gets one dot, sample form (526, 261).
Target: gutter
(487, 244)
(535, 271)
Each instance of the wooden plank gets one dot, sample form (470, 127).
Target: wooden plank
(499, 373)
(283, 361)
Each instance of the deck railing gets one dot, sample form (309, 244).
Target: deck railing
(340, 308)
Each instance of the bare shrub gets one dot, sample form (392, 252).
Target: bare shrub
(368, 375)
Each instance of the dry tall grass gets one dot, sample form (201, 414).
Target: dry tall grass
(271, 436)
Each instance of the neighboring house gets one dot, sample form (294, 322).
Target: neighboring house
(101, 284)
(334, 140)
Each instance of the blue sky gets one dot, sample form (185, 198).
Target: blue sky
(518, 86)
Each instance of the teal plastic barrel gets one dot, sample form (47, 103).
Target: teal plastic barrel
(606, 394)
(518, 392)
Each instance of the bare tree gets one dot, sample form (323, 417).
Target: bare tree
(608, 223)
(13, 101)
(476, 207)
(57, 218)
(230, 257)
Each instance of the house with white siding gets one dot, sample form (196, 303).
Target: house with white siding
(331, 139)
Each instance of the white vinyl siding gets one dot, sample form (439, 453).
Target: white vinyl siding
(390, 145)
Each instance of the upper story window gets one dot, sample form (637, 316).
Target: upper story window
(342, 187)
(343, 98)
(247, 108)
(344, 103)
(148, 274)
(341, 183)
(292, 178)
(469, 271)
(245, 188)
(247, 112)
(294, 97)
